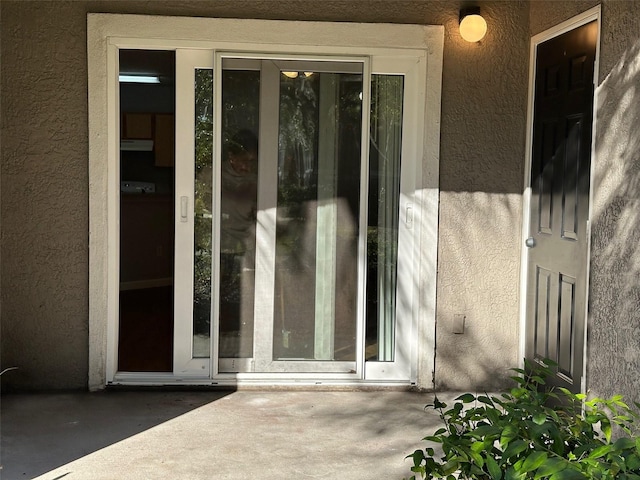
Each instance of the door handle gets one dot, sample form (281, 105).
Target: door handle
(409, 216)
(530, 242)
(184, 209)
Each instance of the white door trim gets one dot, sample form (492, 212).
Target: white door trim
(566, 26)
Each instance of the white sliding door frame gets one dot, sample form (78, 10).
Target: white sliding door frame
(107, 33)
(184, 363)
(406, 324)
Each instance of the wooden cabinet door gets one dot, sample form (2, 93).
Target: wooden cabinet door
(164, 140)
(137, 126)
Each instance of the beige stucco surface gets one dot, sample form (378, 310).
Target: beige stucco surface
(484, 106)
(613, 354)
(44, 175)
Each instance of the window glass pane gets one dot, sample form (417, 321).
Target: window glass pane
(147, 118)
(203, 212)
(317, 216)
(384, 200)
(238, 205)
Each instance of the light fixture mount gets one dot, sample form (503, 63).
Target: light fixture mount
(472, 26)
(466, 11)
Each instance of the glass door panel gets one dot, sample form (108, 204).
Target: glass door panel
(385, 150)
(308, 217)
(317, 216)
(238, 206)
(146, 168)
(202, 215)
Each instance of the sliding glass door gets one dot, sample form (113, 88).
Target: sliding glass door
(294, 217)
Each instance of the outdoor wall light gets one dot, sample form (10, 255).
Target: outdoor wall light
(472, 26)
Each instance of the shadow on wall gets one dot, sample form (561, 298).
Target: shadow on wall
(479, 276)
(614, 323)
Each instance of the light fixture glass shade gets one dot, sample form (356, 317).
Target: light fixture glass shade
(290, 74)
(473, 28)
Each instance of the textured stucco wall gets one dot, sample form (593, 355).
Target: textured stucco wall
(614, 342)
(484, 105)
(44, 199)
(613, 356)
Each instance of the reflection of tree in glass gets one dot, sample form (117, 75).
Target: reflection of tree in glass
(241, 91)
(203, 199)
(240, 112)
(298, 136)
(384, 157)
(241, 102)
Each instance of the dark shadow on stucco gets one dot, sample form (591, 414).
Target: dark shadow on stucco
(41, 432)
(614, 321)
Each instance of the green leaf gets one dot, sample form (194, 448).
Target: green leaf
(533, 461)
(485, 430)
(624, 443)
(477, 446)
(633, 462)
(513, 474)
(601, 451)
(568, 474)
(508, 433)
(467, 398)
(493, 467)
(606, 429)
(551, 466)
(514, 449)
(451, 466)
(477, 458)
(418, 456)
(438, 404)
(539, 418)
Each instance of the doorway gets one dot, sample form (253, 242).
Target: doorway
(557, 238)
(284, 224)
(328, 267)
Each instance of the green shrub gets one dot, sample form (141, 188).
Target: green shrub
(532, 433)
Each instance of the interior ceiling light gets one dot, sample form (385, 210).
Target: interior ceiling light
(472, 26)
(139, 79)
(290, 74)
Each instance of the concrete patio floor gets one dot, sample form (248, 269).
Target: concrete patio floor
(213, 435)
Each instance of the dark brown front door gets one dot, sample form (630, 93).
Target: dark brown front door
(559, 208)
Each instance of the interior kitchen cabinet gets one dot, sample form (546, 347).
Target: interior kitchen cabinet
(154, 131)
